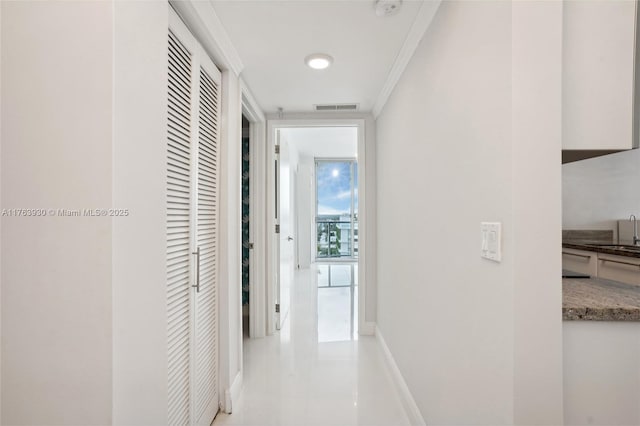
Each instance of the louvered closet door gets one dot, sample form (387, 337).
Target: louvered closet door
(192, 229)
(179, 232)
(206, 298)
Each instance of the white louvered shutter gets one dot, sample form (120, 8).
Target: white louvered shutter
(192, 230)
(179, 230)
(206, 301)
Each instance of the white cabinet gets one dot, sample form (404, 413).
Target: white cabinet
(619, 268)
(602, 265)
(598, 75)
(583, 262)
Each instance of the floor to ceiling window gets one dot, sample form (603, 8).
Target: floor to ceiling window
(336, 208)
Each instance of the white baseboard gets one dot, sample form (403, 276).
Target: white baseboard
(410, 406)
(368, 329)
(232, 394)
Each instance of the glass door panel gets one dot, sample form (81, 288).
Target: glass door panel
(336, 209)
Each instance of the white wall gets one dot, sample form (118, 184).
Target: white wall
(444, 166)
(0, 220)
(294, 168)
(306, 211)
(599, 191)
(371, 175)
(452, 149)
(56, 271)
(139, 240)
(601, 373)
(536, 130)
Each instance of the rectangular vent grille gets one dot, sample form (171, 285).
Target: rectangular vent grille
(336, 107)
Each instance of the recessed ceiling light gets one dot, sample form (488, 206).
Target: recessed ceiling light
(318, 61)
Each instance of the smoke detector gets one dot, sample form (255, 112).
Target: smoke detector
(387, 7)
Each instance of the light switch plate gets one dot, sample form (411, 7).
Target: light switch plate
(491, 238)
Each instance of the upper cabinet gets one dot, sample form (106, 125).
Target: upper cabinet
(599, 74)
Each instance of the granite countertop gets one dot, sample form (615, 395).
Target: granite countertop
(609, 248)
(599, 241)
(597, 299)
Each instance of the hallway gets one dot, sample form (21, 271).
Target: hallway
(317, 370)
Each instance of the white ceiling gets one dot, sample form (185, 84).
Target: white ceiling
(323, 142)
(273, 37)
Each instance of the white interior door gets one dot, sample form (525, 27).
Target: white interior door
(179, 229)
(192, 229)
(205, 311)
(286, 220)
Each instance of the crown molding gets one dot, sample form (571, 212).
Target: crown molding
(424, 18)
(201, 18)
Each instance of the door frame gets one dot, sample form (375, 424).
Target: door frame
(273, 255)
(257, 203)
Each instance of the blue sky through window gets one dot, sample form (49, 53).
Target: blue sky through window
(334, 187)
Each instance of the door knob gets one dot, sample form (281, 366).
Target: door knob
(289, 238)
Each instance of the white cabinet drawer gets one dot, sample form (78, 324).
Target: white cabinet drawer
(583, 262)
(619, 268)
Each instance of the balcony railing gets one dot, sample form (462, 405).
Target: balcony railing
(336, 239)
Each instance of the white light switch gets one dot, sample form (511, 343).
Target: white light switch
(491, 234)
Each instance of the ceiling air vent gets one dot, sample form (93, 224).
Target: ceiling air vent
(336, 107)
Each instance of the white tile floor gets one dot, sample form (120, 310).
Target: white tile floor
(317, 370)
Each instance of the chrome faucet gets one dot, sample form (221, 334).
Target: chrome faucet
(636, 240)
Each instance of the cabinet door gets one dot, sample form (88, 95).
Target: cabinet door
(619, 268)
(583, 262)
(193, 133)
(598, 74)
